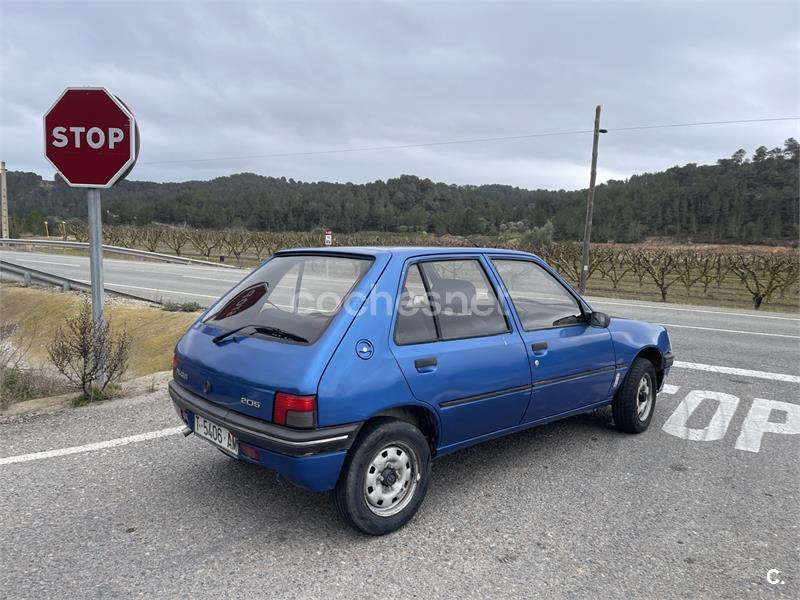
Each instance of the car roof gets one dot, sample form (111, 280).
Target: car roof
(406, 251)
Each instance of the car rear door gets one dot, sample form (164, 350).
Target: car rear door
(457, 347)
(572, 362)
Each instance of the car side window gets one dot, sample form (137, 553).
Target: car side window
(415, 324)
(463, 301)
(539, 299)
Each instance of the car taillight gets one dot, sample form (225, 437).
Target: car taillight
(293, 410)
(174, 364)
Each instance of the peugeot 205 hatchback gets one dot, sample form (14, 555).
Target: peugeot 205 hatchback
(349, 369)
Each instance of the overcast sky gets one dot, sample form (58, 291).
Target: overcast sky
(232, 80)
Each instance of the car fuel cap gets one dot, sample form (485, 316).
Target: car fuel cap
(364, 349)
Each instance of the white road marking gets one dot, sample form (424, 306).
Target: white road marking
(670, 389)
(128, 264)
(45, 262)
(757, 423)
(696, 310)
(677, 424)
(139, 287)
(780, 335)
(210, 279)
(735, 371)
(176, 267)
(142, 437)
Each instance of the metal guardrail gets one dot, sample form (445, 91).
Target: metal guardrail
(116, 249)
(27, 275)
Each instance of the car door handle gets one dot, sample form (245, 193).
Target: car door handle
(425, 364)
(539, 346)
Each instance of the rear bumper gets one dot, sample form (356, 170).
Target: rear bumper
(271, 437)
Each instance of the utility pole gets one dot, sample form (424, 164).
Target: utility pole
(587, 231)
(4, 199)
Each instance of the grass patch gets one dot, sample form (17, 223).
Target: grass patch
(170, 306)
(112, 390)
(37, 313)
(730, 293)
(18, 384)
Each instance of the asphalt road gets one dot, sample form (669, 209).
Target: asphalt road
(703, 504)
(152, 280)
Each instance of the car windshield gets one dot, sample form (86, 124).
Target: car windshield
(297, 295)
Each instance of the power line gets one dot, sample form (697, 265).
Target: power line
(462, 141)
(701, 123)
(376, 148)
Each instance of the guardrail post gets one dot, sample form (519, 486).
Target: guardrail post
(26, 278)
(66, 287)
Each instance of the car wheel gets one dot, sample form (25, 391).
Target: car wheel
(635, 401)
(385, 477)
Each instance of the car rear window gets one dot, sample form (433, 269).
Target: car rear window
(447, 300)
(415, 324)
(297, 293)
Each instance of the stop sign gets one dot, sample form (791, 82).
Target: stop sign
(90, 137)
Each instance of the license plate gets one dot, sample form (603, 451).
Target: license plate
(216, 434)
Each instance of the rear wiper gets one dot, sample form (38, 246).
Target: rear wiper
(262, 329)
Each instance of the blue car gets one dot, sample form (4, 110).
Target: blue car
(350, 369)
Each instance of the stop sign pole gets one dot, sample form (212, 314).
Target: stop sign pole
(96, 255)
(91, 139)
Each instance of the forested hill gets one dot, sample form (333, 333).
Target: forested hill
(739, 199)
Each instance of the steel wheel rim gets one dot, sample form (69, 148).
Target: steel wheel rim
(391, 479)
(644, 398)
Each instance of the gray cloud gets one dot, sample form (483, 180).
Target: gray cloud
(236, 79)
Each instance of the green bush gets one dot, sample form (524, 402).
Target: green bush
(20, 384)
(170, 306)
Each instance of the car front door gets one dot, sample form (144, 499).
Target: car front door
(458, 350)
(572, 362)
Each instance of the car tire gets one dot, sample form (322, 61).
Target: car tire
(385, 477)
(635, 401)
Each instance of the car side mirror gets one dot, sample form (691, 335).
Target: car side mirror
(598, 319)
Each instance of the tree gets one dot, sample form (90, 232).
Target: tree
(175, 238)
(113, 235)
(690, 270)
(236, 241)
(78, 230)
(615, 264)
(151, 237)
(662, 267)
(204, 241)
(537, 237)
(705, 203)
(760, 155)
(763, 275)
(262, 243)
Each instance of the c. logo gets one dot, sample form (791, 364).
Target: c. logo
(773, 577)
